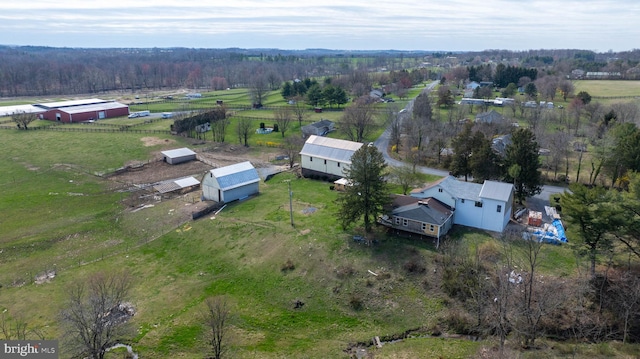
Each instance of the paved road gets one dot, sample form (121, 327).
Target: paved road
(536, 202)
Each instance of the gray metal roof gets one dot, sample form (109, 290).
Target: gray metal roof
(178, 152)
(236, 175)
(91, 107)
(330, 148)
(174, 185)
(10, 110)
(499, 191)
(59, 104)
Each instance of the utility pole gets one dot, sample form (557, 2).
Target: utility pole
(290, 202)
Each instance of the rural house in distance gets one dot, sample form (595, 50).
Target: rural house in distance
(230, 183)
(326, 157)
(485, 206)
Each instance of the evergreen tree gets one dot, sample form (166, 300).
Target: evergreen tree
(463, 147)
(368, 192)
(485, 163)
(523, 152)
(314, 95)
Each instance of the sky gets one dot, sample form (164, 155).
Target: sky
(445, 25)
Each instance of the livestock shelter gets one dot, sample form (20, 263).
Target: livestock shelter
(82, 110)
(230, 183)
(327, 157)
(179, 155)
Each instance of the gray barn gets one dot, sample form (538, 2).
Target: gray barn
(229, 183)
(178, 155)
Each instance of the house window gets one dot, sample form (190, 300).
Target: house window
(424, 226)
(398, 221)
(338, 164)
(462, 200)
(310, 159)
(405, 222)
(478, 204)
(325, 162)
(431, 228)
(440, 190)
(499, 209)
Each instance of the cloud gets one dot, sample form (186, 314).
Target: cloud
(374, 24)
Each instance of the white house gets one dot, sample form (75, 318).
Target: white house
(485, 206)
(229, 183)
(326, 157)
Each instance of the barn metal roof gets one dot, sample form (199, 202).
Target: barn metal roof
(330, 148)
(178, 152)
(236, 175)
(58, 104)
(499, 191)
(91, 107)
(9, 110)
(174, 185)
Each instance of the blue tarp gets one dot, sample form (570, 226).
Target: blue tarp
(561, 236)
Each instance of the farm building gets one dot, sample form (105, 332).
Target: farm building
(10, 110)
(178, 155)
(82, 110)
(485, 206)
(326, 157)
(229, 183)
(183, 184)
(427, 216)
(319, 128)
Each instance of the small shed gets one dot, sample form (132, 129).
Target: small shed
(181, 184)
(341, 184)
(178, 155)
(230, 183)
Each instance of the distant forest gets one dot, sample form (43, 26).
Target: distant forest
(45, 71)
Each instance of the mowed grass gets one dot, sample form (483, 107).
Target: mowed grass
(608, 88)
(239, 253)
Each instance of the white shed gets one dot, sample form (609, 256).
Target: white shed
(229, 183)
(178, 155)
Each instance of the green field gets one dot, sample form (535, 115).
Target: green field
(608, 88)
(59, 213)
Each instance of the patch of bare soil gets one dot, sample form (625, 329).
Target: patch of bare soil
(157, 171)
(153, 141)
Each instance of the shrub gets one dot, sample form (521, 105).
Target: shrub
(415, 265)
(356, 302)
(288, 266)
(345, 271)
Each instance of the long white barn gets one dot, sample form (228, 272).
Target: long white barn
(326, 157)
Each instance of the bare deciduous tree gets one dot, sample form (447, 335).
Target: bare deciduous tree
(216, 319)
(283, 119)
(17, 328)
(357, 120)
(243, 130)
(96, 313)
(291, 148)
(23, 119)
(299, 109)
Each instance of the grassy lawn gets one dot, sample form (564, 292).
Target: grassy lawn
(58, 215)
(608, 88)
